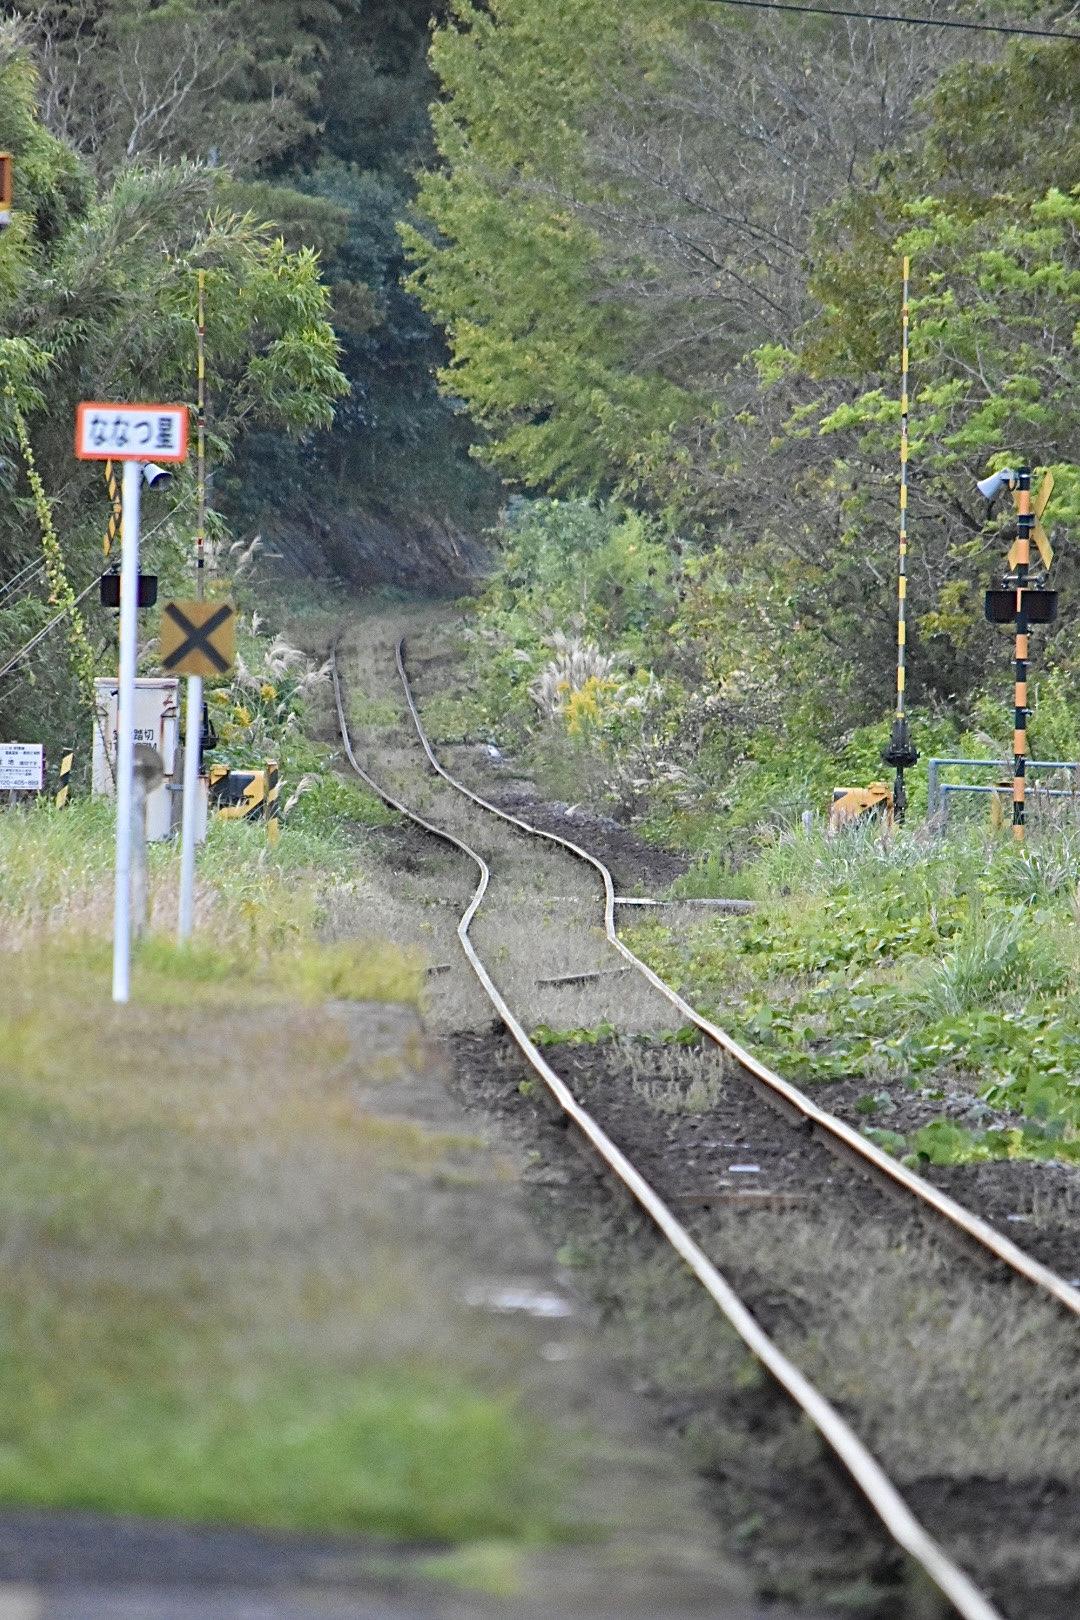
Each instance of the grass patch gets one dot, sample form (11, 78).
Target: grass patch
(152, 1419)
(259, 911)
(943, 962)
(225, 1290)
(208, 1311)
(493, 1567)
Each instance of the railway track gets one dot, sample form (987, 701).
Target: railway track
(886, 1500)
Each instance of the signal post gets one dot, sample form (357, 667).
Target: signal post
(1025, 523)
(1024, 601)
(135, 435)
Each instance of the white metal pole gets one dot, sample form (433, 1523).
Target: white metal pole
(125, 729)
(192, 736)
(193, 727)
(140, 880)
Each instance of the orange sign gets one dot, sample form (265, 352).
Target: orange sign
(131, 432)
(7, 188)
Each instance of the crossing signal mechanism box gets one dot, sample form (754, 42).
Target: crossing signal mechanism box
(157, 725)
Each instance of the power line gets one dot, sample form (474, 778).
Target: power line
(44, 631)
(62, 615)
(23, 577)
(894, 17)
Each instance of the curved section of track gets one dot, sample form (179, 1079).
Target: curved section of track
(865, 1470)
(836, 1131)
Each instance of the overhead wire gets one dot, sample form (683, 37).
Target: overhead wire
(899, 17)
(23, 578)
(40, 635)
(45, 629)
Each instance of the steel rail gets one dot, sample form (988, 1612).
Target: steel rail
(898, 1519)
(836, 1131)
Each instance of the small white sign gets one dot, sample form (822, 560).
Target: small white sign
(22, 767)
(131, 432)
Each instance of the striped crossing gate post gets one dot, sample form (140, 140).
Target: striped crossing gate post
(1026, 522)
(900, 752)
(273, 794)
(113, 528)
(63, 784)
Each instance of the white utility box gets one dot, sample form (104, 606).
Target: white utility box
(157, 724)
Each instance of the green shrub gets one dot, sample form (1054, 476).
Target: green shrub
(332, 804)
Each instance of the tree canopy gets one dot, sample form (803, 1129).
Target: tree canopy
(97, 301)
(655, 286)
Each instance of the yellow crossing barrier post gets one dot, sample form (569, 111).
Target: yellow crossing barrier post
(900, 752)
(1020, 710)
(63, 783)
(273, 813)
(112, 528)
(1025, 602)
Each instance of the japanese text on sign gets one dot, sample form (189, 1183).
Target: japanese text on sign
(22, 767)
(131, 432)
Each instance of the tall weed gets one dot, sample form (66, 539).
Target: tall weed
(987, 960)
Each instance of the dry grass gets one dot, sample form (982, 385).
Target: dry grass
(949, 1372)
(674, 1079)
(944, 1374)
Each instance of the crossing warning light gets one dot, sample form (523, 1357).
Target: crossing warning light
(7, 188)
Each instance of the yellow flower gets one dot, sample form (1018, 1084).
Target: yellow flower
(267, 692)
(241, 715)
(584, 707)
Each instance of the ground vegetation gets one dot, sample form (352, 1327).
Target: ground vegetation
(932, 963)
(939, 966)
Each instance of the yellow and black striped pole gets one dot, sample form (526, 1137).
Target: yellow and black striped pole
(63, 784)
(113, 529)
(200, 436)
(1026, 522)
(273, 793)
(900, 753)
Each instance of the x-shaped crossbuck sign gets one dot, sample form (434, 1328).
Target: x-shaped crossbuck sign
(198, 638)
(1038, 533)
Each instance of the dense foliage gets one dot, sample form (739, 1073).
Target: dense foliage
(310, 115)
(98, 280)
(688, 298)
